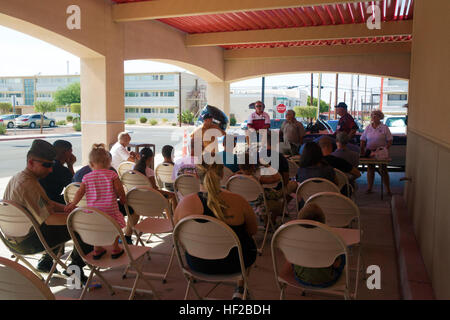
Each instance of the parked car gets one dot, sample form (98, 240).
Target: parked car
(396, 124)
(334, 123)
(33, 121)
(8, 120)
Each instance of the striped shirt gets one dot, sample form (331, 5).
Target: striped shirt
(100, 193)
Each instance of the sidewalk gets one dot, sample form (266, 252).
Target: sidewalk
(23, 134)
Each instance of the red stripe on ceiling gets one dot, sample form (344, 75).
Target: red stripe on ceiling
(338, 6)
(351, 12)
(330, 14)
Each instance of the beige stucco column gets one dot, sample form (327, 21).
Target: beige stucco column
(102, 101)
(218, 95)
(428, 148)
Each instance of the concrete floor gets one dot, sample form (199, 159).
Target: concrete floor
(377, 249)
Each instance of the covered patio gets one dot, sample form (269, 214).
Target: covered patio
(227, 41)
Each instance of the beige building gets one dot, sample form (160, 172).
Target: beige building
(411, 43)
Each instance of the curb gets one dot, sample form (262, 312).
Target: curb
(9, 138)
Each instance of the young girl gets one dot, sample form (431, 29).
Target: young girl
(143, 166)
(102, 187)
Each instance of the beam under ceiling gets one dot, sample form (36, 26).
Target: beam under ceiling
(161, 9)
(316, 51)
(344, 31)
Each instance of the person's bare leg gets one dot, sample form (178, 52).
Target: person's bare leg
(370, 177)
(385, 178)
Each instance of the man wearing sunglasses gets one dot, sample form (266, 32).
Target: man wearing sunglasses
(62, 171)
(24, 189)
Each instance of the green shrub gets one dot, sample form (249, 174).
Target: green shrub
(142, 119)
(76, 120)
(153, 122)
(2, 129)
(69, 118)
(174, 124)
(164, 120)
(77, 126)
(61, 123)
(130, 121)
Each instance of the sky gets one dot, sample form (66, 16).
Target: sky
(46, 59)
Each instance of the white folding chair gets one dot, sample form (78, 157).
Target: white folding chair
(163, 175)
(99, 229)
(124, 167)
(15, 223)
(344, 182)
(19, 283)
(133, 178)
(206, 237)
(312, 186)
(70, 191)
(340, 212)
(227, 173)
(249, 188)
(186, 184)
(293, 168)
(149, 203)
(312, 245)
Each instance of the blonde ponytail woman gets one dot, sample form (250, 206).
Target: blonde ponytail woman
(228, 207)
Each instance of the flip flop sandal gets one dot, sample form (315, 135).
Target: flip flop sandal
(99, 255)
(117, 254)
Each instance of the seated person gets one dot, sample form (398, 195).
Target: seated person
(228, 207)
(167, 153)
(119, 151)
(143, 166)
(317, 277)
(25, 190)
(229, 159)
(61, 175)
(313, 165)
(185, 165)
(343, 152)
(338, 163)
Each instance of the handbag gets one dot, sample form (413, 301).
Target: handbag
(380, 153)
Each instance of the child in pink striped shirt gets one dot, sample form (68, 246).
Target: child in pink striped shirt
(102, 187)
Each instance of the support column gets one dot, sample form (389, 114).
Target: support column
(218, 95)
(102, 101)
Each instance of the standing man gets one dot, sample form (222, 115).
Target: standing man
(259, 119)
(346, 122)
(61, 175)
(293, 132)
(119, 151)
(25, 190)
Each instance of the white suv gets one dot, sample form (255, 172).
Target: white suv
(396, 124)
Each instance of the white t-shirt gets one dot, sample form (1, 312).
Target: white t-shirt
(119, 154)
(376, 137)
(258, 121)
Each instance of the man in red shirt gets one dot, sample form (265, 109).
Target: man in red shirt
(259, 119)
(346, 122)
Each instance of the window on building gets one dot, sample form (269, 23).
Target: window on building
(167, 94)
(131, 110)
(149, 110)
(397, 97)
(155, 77)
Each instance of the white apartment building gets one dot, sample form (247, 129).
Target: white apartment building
(152, 95)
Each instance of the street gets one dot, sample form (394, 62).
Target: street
(13, 153)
